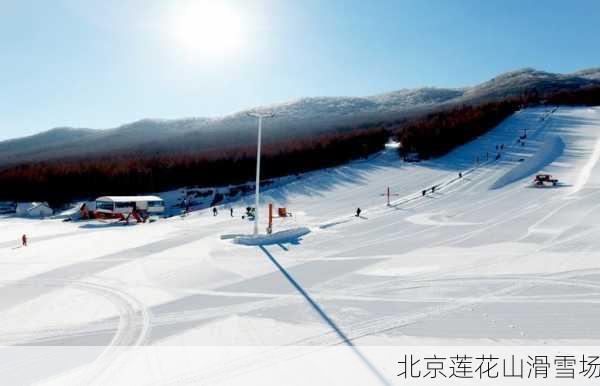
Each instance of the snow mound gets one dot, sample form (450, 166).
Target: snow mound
(287, 236)
(551, 149)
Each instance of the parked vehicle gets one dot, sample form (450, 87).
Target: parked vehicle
(541, 180)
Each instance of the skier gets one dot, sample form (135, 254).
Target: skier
(215, 211)
(433, 189)
(358, 212)
(24, 240)
(231, 211)
(423, 193)
(459, 175)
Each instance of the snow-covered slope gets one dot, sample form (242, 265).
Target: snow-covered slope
(465, 265)
(591, 73)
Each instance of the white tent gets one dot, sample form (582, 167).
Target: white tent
(34, 209)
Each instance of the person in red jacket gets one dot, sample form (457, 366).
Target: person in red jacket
(24, 240)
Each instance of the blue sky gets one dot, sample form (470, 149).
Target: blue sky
(102, 63)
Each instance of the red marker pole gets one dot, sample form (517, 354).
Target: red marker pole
(270, 217)
(388, 194)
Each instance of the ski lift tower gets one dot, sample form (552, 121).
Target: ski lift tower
(260, 117)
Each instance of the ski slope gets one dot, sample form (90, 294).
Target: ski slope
(486, 259)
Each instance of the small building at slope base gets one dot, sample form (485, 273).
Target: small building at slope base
(125, 206)
(34, 210)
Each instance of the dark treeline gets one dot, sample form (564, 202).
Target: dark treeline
(438, 133)
(588, 96)
(60, 182)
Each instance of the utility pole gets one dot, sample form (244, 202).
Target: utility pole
(260, 117)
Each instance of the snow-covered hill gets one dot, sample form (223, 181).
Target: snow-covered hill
(515, 82)
(475, 263)
(299, 118)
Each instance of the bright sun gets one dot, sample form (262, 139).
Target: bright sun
(206, 27)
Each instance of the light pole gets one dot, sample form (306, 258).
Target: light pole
(260, 117)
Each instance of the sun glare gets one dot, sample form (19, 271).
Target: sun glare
(206, 27)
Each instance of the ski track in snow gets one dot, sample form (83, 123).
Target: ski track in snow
(133, 327)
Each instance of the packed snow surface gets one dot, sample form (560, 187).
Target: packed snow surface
(282, 237)
(551, 149)
(464, 265)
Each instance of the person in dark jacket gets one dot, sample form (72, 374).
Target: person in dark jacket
(358, 212)
(215, 211)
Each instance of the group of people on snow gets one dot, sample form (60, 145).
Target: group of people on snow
(216, 211)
